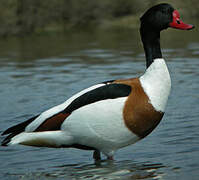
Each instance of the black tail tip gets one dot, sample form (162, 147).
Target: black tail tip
(5, 141)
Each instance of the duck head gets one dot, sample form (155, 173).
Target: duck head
(161, 17)
(154, 20)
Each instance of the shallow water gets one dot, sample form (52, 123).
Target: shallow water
(39, 72)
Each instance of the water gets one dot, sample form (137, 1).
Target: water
(39, 72)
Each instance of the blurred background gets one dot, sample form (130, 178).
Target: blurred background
(20, 17)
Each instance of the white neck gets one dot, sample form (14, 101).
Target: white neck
(156, 83)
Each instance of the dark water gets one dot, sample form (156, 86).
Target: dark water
(39, 72)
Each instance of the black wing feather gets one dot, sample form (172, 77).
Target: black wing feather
(109, 91)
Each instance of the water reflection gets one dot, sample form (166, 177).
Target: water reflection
(104, 170)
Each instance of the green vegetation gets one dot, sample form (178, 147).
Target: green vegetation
(19, 17)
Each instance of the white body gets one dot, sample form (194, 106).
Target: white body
(101, 127)
(100, 124)
(156, 83)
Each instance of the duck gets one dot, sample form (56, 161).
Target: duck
(113, 114)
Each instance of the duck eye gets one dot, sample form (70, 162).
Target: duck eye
(178, 21)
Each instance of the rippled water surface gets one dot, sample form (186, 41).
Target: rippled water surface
(39, 72)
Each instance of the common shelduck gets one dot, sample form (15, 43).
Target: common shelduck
(112, 114)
